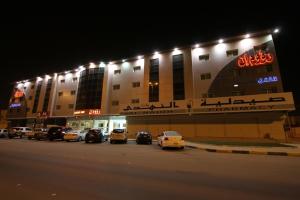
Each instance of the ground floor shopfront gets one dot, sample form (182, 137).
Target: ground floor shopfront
(225, 125)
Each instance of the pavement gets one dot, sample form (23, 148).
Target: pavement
(42, 170)
(278, 151)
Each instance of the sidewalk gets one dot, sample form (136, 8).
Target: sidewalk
(279, 151)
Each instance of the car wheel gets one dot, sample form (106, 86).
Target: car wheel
(79, 139)
(21, 136)
(29, 138)
(111, 142)
(163, 148)
(182, 147)
(150, 142)
(9, 137)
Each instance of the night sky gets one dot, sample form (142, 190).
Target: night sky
(38, 45)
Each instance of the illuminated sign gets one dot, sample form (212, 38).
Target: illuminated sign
(268, 79)
(15, 105)
(18, 94)
(79, 112)
(259, 59)
(95, 112)
(88, 112)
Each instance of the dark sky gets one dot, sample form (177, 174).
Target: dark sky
(36, 45)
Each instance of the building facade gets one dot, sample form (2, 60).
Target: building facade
(224, 88)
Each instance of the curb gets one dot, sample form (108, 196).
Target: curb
(272, 153)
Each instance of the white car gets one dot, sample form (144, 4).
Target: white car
(170, 139)
(19, 132)
(75, 135)
(3, 132)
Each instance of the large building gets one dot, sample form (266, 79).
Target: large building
(225, 88)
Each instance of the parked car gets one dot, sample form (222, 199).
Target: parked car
(170, 139)
(118, 135)
(143, 137)
(75, 135)
(40, 133)
(94, 135)
(18, 132)
(57, 132)
(3, 133)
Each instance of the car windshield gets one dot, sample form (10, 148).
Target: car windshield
(144, 133)
(172, 133)
(118, 131)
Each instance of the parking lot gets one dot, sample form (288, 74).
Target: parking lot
(31, 169)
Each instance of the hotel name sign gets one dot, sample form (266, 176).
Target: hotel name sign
(247, 103)
(259, 59)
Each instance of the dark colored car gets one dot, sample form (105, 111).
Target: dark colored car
(57, 133)
(143, 137)
(40, 134)
(94, 135)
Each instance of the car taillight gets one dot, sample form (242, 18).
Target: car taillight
(166, 138)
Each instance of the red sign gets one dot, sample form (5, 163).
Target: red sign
(18, 94)
(259, 59)
(94, 112)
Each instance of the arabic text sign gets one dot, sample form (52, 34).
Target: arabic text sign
(259, 59)
(268, 79)
(271, 101)
(15, 105)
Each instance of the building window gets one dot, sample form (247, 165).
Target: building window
(178, 77)
(117, 71)
(62, 81)
(89, 92)
(60, 94)
(263, 47)
(115, 103)
(30, 98)
(36, 97)
(136, 68)
(233, 52)
(27, 109)
(269, 68)
(58, 107)
(25, 88)
(73, 92)
(32, 87)
(47, 95)
(205, 76)
(100, 125)
(116, 87)
(71, 106)
(135, 100)
(211, 95)
(75, 79)
(136, 84)
(237, 93)
(154, 80)
(204, 57)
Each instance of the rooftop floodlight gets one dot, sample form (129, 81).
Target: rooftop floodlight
(221, 41)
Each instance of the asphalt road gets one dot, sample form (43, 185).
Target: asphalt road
(69, 170)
